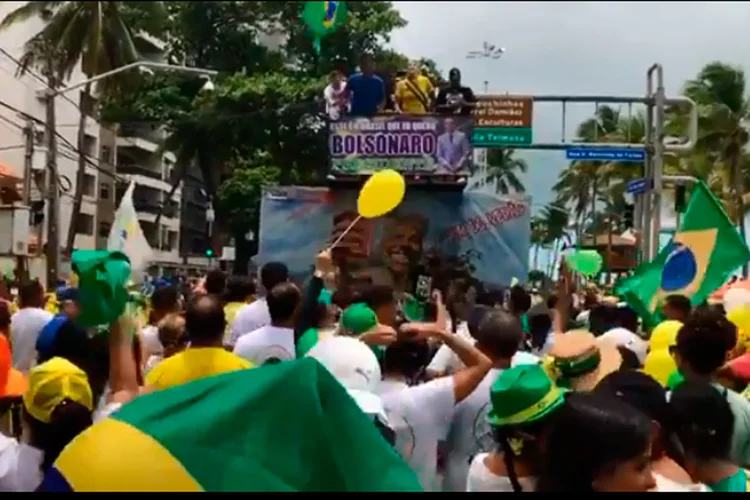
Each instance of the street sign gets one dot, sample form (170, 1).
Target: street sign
(500, 137)
(502, 121)
(636, 155)
(639, 186)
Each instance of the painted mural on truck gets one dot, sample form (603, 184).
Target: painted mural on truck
(482, 236)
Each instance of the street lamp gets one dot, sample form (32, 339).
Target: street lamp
(49, 94)
(489, 53)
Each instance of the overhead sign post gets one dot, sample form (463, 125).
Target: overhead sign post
(503, 121)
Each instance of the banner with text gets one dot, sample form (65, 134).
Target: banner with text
(486, 235)
(415, 144)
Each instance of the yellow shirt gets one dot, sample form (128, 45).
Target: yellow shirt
(407, 99)
(193, 364)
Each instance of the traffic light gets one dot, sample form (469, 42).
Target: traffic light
(628, 216)
(680, 203)
(209, 253)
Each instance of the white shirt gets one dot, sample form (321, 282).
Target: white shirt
(420, 416)
(25, 326)
(20, 466)
(482, 479)
(266, 343)
(447, 361)
(333, 98)
(249, 318)
(470, 433)
(664, 485)
(150, 341)
(151, 363)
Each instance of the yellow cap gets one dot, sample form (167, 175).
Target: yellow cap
(53, 382)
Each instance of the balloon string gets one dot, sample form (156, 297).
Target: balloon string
(341, 237)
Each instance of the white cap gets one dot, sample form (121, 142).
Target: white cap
(736, 297)
(622, 337)
(355, 366)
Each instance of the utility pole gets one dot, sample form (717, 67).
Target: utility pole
(53, 190)
(22, 268)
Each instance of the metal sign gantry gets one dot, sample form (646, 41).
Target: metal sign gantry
(647, 219)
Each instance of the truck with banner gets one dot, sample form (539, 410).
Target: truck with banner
(486, 235)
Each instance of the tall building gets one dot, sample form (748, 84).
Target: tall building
(20, 96)
(117, 154)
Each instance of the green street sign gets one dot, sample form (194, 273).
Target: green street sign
(501, 137)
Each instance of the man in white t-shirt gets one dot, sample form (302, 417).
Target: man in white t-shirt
(421, 414)
(499, 338)
(274, 342)
(253, 316)
(26, 324)
(446, 361)
(337, 101)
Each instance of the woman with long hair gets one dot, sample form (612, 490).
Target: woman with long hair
(645, 394)
(525, 403)
(598, 444)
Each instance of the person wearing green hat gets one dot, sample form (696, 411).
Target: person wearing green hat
(523, 403)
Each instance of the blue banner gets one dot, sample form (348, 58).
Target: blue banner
(487, 235)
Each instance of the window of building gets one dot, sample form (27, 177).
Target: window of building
(106, 155)
(88, 105)
(89, 185)
(85, 225)
(103, 191)
(89, 145)
(104, 229)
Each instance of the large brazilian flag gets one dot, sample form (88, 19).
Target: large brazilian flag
(284, 427)
(702, 254)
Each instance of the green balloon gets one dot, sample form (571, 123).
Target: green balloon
(323, 18)
(586, 262)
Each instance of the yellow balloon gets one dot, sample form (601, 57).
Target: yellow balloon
(740, 316)
(659, 365)
(382, 192)
(664, 335)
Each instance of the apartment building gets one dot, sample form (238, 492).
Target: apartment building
(23, 94)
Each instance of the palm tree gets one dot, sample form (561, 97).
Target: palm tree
(719, 92)
(503, 170)
(556, 220)
(92, 34)
(583, 181)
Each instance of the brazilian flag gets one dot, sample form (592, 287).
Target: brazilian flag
(702, 254)
(284, 427)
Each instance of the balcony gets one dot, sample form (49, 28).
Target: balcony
(145, 176)
(143, 205)
(140, 137)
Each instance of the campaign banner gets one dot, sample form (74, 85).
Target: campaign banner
(485, 236)
(415, 144)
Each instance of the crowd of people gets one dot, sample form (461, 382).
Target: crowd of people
(482, 389)
(415, 91)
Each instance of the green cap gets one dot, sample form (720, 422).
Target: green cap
(102, 280)
(358, 318)
(675, 379)
(521, 395)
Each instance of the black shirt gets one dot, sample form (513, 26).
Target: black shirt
(448, 95)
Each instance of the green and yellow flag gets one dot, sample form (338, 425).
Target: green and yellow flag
(285, 427)
(702, 254)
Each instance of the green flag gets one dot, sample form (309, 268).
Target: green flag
(284, 427)
(699, 259)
